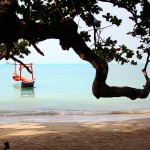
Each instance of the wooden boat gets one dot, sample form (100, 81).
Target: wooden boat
(21, 82)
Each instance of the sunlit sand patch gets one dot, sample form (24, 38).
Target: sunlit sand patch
(22, 126)
(124, 126)
(30, 132)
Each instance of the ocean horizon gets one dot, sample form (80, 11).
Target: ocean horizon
(63, 92)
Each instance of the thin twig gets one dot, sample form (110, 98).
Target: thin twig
(106, 27)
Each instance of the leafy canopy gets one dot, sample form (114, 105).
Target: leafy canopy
(55, 11)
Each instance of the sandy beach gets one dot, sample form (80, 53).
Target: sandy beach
(118, 135)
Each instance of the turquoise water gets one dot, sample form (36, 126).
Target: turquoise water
(63, 93)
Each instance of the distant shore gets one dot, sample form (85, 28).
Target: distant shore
(113, 135)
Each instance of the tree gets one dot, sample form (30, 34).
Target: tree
(27, 22)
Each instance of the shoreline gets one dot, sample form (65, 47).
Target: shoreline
(114, 135)
(72, 118)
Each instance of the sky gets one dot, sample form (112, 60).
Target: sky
(55, 55)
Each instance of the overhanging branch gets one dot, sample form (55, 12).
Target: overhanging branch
(17, 60)
(37, 49)
(100, 88)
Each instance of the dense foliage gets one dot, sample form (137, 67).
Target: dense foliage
(46, 12)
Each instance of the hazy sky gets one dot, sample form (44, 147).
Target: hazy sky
(54, 53)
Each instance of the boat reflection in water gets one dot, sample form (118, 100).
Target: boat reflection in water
(27, 91)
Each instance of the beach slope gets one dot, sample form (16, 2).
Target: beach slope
(118, 135)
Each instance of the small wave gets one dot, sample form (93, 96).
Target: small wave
(51, 113)
(71, 113)
(138, 111)
(16, 113)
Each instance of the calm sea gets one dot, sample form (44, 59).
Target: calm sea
(63, 93)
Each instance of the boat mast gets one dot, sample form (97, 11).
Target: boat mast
(20, 69)
(32, 72)
(15, 68)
